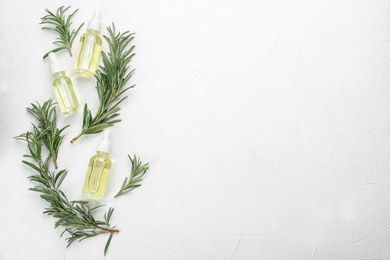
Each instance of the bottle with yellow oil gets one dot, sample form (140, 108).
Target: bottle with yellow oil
(63, 87)
(98, 170)
(89, 48)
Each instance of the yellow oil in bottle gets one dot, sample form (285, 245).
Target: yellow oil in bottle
(97, 175)
(66, 97)
(88, 53)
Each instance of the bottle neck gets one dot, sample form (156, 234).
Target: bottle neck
(93, 32)
(102, 154)
(59, 74)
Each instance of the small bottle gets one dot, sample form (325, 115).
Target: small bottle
(89, 48)
(63, 87)
(98, 170)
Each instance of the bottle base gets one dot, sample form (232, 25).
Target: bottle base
(93, 195)
(84, 72)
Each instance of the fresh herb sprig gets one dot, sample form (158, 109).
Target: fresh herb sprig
(47, 125)
(61, 24)
(111, 80)
(138, 170)
(76, 217)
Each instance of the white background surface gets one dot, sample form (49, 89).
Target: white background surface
(266, 125)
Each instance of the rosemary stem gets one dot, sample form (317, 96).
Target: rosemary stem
(77, 137)
(55, 160)
(108, 230)
(69, 49)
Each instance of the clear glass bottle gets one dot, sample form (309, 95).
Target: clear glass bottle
(98, 170)
(89, 48)
(63, 87)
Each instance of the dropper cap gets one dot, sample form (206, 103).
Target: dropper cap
(105, 144)
(95, 23)
(55, 66)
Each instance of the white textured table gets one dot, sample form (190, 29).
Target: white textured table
(266, 125)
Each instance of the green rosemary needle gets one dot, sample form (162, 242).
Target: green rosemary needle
(111, 80)
(60, 23)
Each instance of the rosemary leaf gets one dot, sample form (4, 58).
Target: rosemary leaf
(138, 170)
(108, 243)
(111, 80)
(60, 23)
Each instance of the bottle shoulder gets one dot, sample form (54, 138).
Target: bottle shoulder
(101, 158)
(63, 79)
(91, 37)
(97, 39)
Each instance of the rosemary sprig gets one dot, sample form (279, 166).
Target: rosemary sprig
(111, 80)
(76, 217)
(61, 25)
(138, 170)
(47, 119)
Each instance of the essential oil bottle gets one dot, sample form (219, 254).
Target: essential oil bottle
(89, 48)
(63, 87)
(98, 170)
